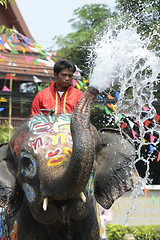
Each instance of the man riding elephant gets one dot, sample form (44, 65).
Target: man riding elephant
(61, 95)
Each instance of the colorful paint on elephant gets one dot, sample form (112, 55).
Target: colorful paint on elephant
(52, 138)
(22, 137)
(32, 169)
(4, 233)
(29, 192)
(56, 157)
(90, 184)
(14, 232)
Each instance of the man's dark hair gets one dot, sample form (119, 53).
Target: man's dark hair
(62, 64)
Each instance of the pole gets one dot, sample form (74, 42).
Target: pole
(10, 100)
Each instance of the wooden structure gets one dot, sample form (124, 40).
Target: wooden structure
(21, 61)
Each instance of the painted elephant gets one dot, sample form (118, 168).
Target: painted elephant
(54, 170)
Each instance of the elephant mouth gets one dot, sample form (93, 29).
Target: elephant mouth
(48, 202)
(60, 203)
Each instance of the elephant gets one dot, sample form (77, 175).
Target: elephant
(55, 171)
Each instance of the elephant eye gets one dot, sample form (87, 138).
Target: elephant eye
(28, 165)
(26, 162)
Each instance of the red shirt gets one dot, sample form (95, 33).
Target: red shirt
(49, 98)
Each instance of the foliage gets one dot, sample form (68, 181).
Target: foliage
(4, 132)
(146, 14)
(4, 2)
(3, 28)
(142, 232)
(88, 24)
(99, 118)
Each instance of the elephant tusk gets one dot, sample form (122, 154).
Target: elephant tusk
(83, 197)
(45, 203)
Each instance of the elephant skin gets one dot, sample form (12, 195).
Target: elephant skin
(53, 172)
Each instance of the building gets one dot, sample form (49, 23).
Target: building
(21, 61)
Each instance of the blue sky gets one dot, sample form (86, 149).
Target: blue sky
(48, 18)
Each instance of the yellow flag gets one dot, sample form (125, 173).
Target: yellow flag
(2, 99)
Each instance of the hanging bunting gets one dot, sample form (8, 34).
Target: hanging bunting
(153, 199)
(157, 118)
(145, 192)
(35, 61)
(138, 124)
(7, 46)
(78, 86)
(107, 111)
(8, 76)
(36, 79)
(6, 89)
(109, 105)
(109, 96)
(29, 58)
(145, 109)
(123, 125)
(147, 122)
(158, 159)
(1, 109)
(131, 123)
(2, 99)
(120, 116)
(117, 94)
(1, 40)
(74, 82)
(99, 96)
(134, 134)
(15, 51)
(3, 57)
(53, 53)
(23, 49)
(151, 147)
(85, 81)
(81, 84)
(39, 88)
(114, 110)
(152, 138)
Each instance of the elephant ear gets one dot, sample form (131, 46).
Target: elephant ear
(115, 171)
(10, 193)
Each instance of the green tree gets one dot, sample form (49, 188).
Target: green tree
(3, 28)
(88, 24)
(146, 14)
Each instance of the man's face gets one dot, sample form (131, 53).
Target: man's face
(63, 79)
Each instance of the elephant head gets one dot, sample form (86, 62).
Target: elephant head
(50, 158)
(48, 162)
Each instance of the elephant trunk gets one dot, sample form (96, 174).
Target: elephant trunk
(80, 165)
